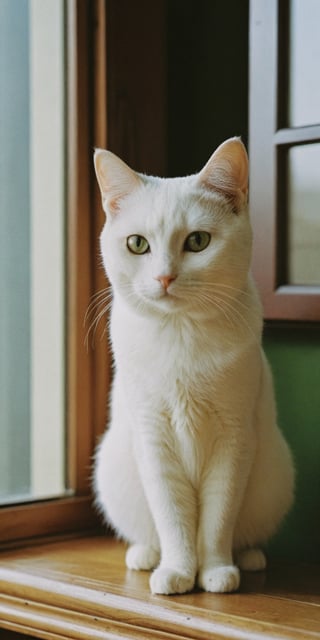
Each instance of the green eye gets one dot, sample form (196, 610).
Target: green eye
(138, 245)
(197, 241)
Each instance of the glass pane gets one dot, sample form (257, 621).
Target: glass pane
(304, 214)
(31, 249)
(304, 55)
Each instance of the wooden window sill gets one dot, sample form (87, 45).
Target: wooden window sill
(80, 589)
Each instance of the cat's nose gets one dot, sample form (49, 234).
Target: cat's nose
(165, 280)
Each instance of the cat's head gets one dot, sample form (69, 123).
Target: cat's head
(177, 245)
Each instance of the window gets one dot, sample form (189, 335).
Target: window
(132, 124)
(32, 251)
(285, 156)
(52, 114)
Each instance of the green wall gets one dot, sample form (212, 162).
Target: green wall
(208, 102)
(294, 355)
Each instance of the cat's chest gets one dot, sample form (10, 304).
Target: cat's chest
(178, 365)
(192, 427)
(171, 364)
(179, 374)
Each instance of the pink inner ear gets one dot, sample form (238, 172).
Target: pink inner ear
(113, 204)
(226, 172)
(116, 180)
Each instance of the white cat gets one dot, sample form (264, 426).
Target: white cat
(193, 471)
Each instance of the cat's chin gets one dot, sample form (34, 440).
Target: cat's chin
(166, 304)
(171, 305)
(157, 304)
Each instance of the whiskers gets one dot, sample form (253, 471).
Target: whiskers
(97, 309)
(233, 303)
(235, 306)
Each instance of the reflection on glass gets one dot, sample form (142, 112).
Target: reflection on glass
(304, 55)
(31, 249)
(304, 214)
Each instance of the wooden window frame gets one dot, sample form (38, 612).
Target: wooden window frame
(270, 140)
(86, 390)
(116, 100)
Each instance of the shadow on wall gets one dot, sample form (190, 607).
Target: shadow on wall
(207, 79)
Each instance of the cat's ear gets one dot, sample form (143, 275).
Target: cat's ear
(116, 180)
(226, 172)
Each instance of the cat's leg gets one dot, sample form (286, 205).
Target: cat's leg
(267, 499)
(270, 488)
(121, 499)
(220, 499)
(173, 505)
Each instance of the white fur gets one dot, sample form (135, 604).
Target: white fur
(193, 471)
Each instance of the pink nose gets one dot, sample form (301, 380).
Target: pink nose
(165, 280)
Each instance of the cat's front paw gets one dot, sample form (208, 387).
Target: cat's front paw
(168, 581)
(142, 557)
(222, 579)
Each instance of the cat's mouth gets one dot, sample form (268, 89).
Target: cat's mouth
(165, 300)
(170, 292)
(168, 297)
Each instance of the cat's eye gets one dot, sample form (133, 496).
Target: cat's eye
(138, 244)
(197, 241)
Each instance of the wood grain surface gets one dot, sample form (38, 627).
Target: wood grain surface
(80, 589)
